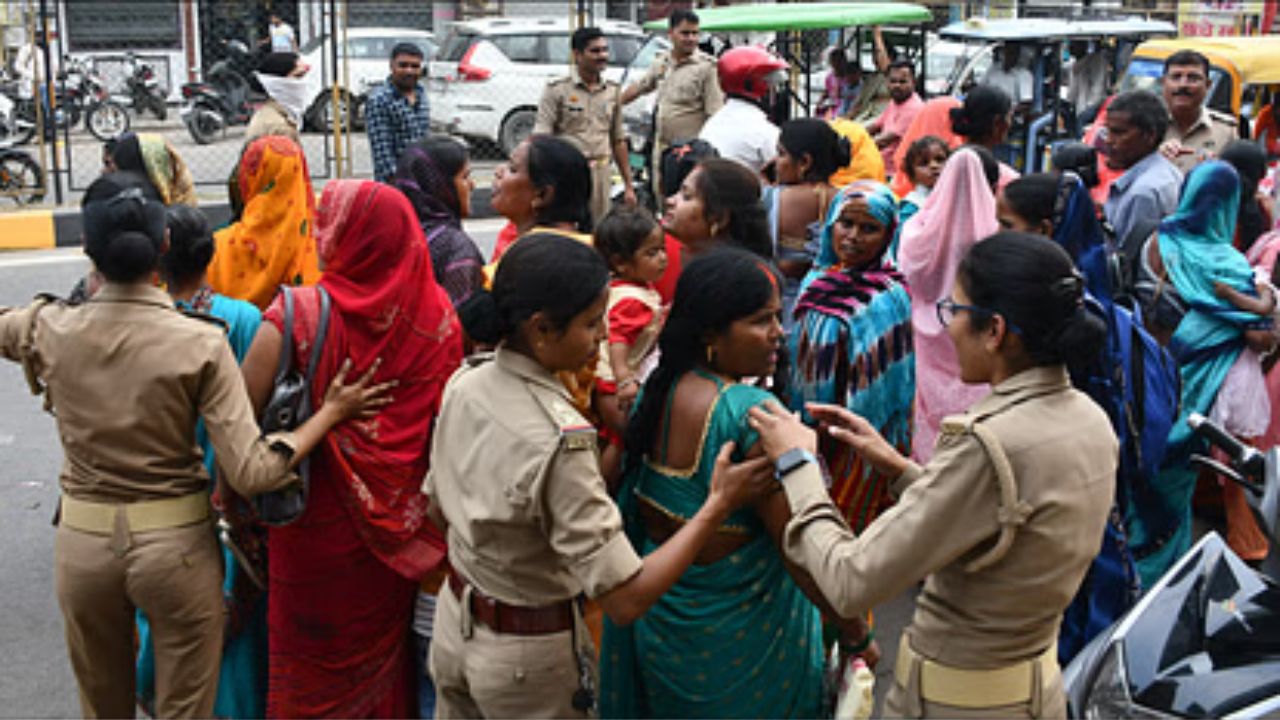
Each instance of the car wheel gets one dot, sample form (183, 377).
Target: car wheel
(518, 126)
(321, 113)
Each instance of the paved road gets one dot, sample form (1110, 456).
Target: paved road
(35, 677)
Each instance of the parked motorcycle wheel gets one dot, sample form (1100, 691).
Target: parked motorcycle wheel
(205, 124)
(21, 178)
(107, 120)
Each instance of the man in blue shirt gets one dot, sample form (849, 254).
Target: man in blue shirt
(1148, 190)
(396, 114)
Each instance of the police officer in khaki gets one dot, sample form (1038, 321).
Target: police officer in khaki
(128, 376)
(515, 479)
(688, 88)
(1002, 523)
(1195, 132)
(584, 109)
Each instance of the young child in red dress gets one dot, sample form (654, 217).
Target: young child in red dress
(631, 242)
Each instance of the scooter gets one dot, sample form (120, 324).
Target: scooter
(142, 87)
(223, 99)
(1204, 641)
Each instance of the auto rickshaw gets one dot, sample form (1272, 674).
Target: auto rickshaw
(1048, 118)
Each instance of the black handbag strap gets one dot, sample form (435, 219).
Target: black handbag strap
(317, 343)
(286, 344)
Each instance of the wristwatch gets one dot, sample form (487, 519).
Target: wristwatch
(792, 460)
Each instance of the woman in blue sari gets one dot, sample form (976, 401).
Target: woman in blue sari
(851, 341)
(736, 636)
(1192, 256)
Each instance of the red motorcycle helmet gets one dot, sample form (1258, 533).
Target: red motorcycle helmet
(750, 72)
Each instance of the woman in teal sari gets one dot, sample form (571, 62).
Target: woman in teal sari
(736, 636)
(851, 342)
(1192, 255)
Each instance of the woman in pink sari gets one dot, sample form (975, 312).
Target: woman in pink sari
(344, 576)
(960, 211)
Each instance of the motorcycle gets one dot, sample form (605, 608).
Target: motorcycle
(1204, 641)
(80, 92)
(21, 178)
(143, 87)
(223, 99)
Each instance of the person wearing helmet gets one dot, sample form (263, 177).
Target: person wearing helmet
(741, 130)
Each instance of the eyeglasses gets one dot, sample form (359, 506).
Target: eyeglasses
(948, 308)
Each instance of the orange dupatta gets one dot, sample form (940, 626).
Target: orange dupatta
(273, 243)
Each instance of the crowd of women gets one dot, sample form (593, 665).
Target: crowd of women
(625, 464)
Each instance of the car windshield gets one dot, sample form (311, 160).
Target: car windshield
(455, 46)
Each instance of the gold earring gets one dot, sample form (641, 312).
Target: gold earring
(715, 229)
(711, 357)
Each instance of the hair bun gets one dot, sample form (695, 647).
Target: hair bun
(480, 318)
(844, 152)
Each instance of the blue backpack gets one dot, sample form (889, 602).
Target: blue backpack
(1136, 382)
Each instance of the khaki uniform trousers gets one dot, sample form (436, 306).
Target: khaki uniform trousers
(174, 575)
(482, 674)
(909, 697)
(601, 187)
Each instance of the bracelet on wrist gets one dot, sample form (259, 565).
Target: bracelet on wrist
(859, 648)
(629, 381)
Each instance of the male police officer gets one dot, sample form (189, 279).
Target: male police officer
(584, 108)
(687, 84)
(1196, 133)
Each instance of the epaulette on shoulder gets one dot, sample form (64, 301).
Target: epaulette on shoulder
(1224, 118)
(574, 430)
(953, 425)
(476, 359)
(206, 317)
(49, 298)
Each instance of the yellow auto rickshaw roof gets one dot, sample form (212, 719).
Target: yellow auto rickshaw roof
(1256, 58)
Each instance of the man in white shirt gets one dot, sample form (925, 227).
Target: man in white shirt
(741, 130)
(281, 33)
(1010, 77)
(1088, 84)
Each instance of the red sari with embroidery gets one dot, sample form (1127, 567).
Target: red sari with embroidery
(343, 578)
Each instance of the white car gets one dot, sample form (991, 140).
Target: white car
(488, 76)
(367, 57)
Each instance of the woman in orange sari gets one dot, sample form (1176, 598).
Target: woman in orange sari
(343, 577)
(272, 243)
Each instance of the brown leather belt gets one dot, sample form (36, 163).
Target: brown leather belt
(514, 619)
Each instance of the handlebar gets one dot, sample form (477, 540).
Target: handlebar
(1248, 460)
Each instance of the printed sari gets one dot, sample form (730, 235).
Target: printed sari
(151, 155)
(733, 638)
(344, 577)
(851, 346)
(272, 244)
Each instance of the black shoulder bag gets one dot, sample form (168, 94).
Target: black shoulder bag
(289, 406)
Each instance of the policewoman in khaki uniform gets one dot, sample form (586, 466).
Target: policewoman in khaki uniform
(516, 481)
(128, 376)
(1004, 520)
(585, 109)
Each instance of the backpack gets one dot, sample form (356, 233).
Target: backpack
(1136, 382)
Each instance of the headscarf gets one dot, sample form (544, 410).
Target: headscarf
(959, 212)
(386, 305)
(1196, 241)
(1077, 230)
(851, 346)
(865, 161)
(934, 118)
(272, 243)
(151, 154)
(434, 197)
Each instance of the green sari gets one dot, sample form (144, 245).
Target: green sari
(735, 638)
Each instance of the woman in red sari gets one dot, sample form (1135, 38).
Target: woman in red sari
(343, 577)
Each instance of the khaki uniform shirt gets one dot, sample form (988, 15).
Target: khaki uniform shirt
(688, 94)
(590, 118)
(515, 474)
(1207, 136)
(128, 376)
(1063, 455)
